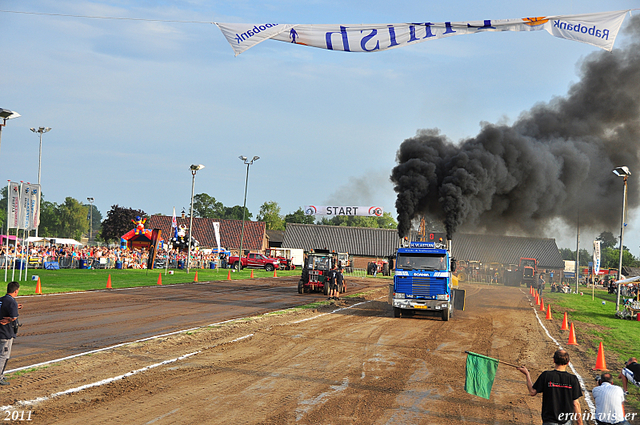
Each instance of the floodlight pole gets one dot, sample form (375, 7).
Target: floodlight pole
(194, 169)
(624, 206)
(90, 219)
(245, 160)
(40, 131)
(5, 115)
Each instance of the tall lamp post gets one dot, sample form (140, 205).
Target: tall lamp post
(40, 131)
(624, 173)
(90, 219)
(244, 205)
(194, 169)
(5, 115)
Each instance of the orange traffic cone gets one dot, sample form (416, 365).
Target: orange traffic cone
(160, 279)
(565, 323)
(601, 364)
(572, 336)
(251, 273)
(537, 300)
(229, 275)
(275, 273)
(195, 279)
(549, 316)
(541, 304)
(38, 287)
(109, 282)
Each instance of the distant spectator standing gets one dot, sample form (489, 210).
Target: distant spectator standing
(9, 314)
(630, 373)
(333, 282)
(560, 392)
(339, 283)
(609, 399)
(540, 283)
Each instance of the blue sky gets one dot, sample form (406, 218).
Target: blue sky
(133, 103)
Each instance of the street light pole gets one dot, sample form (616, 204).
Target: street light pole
(90, 219)
(245, 160)
(194, 169)
(624, 173)
(40, 131)
(5, 115)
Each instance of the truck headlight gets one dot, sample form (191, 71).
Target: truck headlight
(398, 295)
(442, 297)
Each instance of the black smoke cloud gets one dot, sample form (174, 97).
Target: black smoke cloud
(555, 160)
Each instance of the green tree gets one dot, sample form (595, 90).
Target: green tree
(206, 206)
(118, 222)
(607, 240)
(384, 222)
(568, 254)
(73, 218)
(270, 214)
(49, 220)
(299, 217)
(235, 213)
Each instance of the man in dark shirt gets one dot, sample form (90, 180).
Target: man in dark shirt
(560, 392)
(9, 314)
(339, 283)
(630, 373)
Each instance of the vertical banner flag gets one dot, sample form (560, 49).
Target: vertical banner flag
(174, 224)
(337, 210)
(216, 229)
(596, 257)
(13, 207)
(597, 29)
(34, 206)
(25, 213)
(480, 373)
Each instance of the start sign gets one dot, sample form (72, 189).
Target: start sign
(344, 210)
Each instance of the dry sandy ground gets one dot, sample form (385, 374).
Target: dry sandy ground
(339, 364)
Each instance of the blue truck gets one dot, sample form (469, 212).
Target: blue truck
(423, 281)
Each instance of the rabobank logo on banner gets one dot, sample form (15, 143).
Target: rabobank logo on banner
(257, 29)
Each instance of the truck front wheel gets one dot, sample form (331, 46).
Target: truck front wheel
(397, 312)
(237, 266)
(445, 315)
(269, 267)
(300, 286)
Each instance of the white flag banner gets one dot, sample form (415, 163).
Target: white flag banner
(598, 29)
(343, 210)
(13, 207)
(596, 257)
(26, 214)
(34, 206)
(216, 230)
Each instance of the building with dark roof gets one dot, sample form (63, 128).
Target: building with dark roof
(275, 238)
(366, 244)
(255, 237)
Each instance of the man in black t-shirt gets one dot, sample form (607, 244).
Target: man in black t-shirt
(630, 373)
(8, 314)
(560, 392)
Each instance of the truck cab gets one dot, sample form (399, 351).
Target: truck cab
(423, 281)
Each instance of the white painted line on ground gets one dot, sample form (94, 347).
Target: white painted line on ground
(98, 383)
(117, 378)
(587, 396)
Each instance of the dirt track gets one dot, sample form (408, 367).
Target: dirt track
(352, 365)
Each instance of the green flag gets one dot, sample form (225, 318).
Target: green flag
(481, 371)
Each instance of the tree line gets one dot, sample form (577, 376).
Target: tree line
(609, 253)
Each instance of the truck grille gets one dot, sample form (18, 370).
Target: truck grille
(421, 286)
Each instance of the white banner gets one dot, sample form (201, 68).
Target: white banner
(596, 257)
(13, 207)
(216, 229)
(598, 29)
(342, 210)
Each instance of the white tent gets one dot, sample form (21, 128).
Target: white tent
(57, 241)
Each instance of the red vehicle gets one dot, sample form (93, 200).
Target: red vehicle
(255, 260)
(529, 269)
(286, 262)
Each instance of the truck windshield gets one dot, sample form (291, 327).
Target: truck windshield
(421, 262)
(319, 263)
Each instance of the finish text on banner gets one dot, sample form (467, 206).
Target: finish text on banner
(598, 29)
